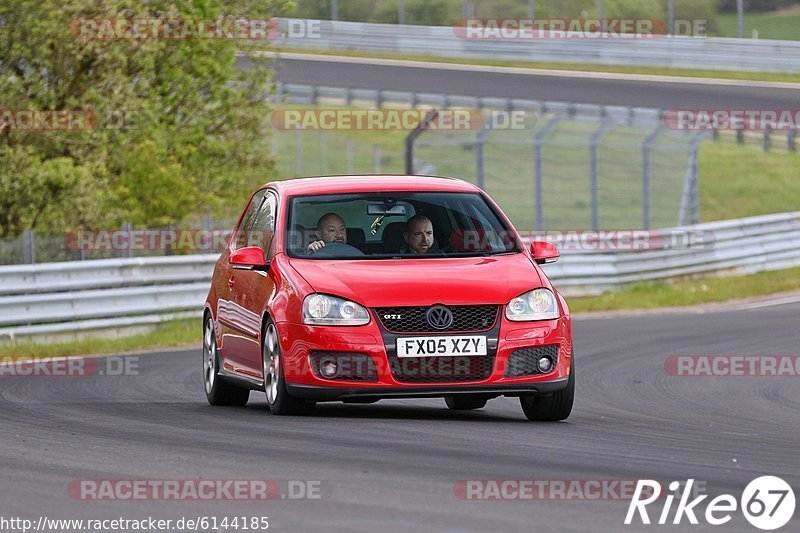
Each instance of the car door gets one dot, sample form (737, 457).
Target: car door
(236, 333)
(254, 288)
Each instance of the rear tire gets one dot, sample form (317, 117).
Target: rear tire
(557, 406)
(464, 403)
(218, 391)
(279, 400)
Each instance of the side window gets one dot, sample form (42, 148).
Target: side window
(243, 231)
(264, 226)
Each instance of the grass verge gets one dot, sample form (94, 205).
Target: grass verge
(171, 334)
(578, 67)
(691, 292)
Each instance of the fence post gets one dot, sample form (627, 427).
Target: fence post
(695, 203)
(411, 137)
(126, 230)
(348, 148)
(28, 247)
(323, 152)
(594, 183)
(376, 159)
(538, 140)
(298, 153)
(646, 145)
(480, 141)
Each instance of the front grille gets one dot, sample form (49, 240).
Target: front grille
(351, 366)
(466, 318)
(441, 369)
(522, 361)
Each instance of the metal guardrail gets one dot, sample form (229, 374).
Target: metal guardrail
(119, 293)
(706, 53)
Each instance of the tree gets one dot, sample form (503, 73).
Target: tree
(166, 127)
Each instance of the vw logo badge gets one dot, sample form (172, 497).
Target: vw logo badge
(439, 317)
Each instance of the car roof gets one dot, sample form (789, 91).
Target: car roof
(370, 183)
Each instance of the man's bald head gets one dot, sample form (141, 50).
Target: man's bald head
(419, 234)
(331, 228)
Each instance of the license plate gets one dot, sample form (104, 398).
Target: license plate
(441, 346)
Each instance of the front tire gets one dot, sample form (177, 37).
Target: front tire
(464, 403)
(218, 391)
(279, 400)
(557, 406)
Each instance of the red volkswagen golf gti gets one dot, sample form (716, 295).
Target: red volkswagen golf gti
(358, 288)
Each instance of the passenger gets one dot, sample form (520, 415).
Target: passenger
(419, 236)
(330, 229)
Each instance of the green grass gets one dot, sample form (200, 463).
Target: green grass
(740, 181)
(685, 293)
(580, 67)
(171, 334)
(782, 24)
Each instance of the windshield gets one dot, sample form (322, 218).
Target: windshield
(395, 225)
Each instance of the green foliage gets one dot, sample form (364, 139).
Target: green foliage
(177, 129)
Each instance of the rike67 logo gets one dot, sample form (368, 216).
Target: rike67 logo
(767, 502)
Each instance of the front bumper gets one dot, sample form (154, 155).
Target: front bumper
(324, 393)
(299, 340)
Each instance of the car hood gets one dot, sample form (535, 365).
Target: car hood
(406, 282)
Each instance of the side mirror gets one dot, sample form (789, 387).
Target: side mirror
(249, 258)
(544, 252)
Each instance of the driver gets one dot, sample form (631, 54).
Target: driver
(419, 236)
(330, 228)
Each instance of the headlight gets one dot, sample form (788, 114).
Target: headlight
(538, 304)
(324, 310)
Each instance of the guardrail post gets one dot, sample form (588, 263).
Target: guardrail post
(740, 136)
(348, 96)
(790, 141)
(378, 99)
(594, 183)
(766, 140)
(538, 140)
(313, 96)
(28, 247)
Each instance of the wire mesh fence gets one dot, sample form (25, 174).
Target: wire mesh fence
(570, 172)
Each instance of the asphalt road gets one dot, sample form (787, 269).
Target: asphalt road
(392, 466)
(596, 90)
